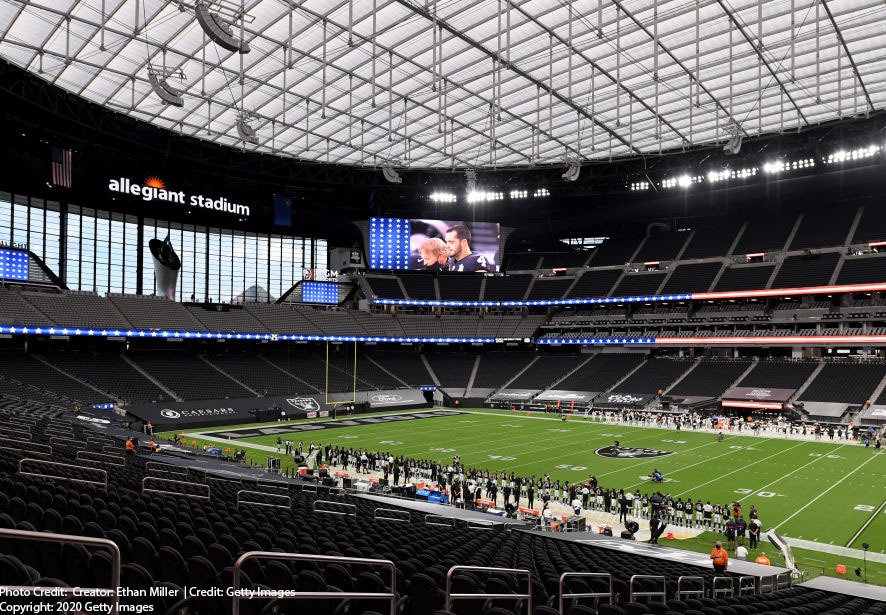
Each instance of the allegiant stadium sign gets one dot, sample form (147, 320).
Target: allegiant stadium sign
(154, 189)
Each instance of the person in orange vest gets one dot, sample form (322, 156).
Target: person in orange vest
(762, 559)
(130, 447)
(719, 557)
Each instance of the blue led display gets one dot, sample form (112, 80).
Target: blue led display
(13, 264)
(319, 292)
(389, 243)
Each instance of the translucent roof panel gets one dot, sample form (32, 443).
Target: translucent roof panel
(462, 83)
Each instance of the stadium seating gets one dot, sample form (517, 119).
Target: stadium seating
(109, 372)
(692, 277)
(603, 371)
(507, 288)
(496, 368)
(74, 309)
(823, 229)
(15, 310)
(764, 236)
(152, 312)
(187, 375)
(653, 376)
(806, 270)
(545, 371)
(407, 366)
(708, 242)
(169, 540)
(33, 374)
(595, 283)
(662, 246)
(615, 251)
(710, 378)
(747, 277)
(850, 383)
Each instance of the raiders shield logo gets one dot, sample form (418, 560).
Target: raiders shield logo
(629, 452)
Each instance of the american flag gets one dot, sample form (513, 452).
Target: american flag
(61, 167)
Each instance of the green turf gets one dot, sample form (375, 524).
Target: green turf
(819, 491)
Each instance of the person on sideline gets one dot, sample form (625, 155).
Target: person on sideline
(719, 557)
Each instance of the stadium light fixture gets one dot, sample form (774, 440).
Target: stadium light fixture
(391, 175)
(218, 29)
(572, 172)
(443, 197)
(169, 95)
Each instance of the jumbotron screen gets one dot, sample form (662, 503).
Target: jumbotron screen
(320, 292)
(433, 245)
(13, 265)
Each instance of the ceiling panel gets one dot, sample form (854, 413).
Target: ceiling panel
(474, 83)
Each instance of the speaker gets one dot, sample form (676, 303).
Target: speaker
(324, 472)
(383, 482)
(346, 483)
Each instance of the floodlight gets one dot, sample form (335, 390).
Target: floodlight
(166, 92)
(217, 29)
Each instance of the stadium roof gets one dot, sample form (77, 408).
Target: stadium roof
(463, 83)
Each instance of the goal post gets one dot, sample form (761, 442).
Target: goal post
(352, 364)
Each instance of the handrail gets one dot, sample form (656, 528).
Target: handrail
(6, 430)
(104, 473)
(725, 588)
(599, 575)
(438, 520)
(288, 499)
(271, 484)
(397, 515)
(515, 571)
(99, 543)
(663, 594)
(146, 489)
(42, 449)
(112, 460)
(695, 593)
(62, 441)
(391, 596)
(743, 586)
(479, 524)
(351, 507)
(158, 473)
(785, 580)
(165, 467)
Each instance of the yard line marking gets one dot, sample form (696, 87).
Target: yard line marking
(794, 470)
(713, 480)
(820, 495)
(867, 523)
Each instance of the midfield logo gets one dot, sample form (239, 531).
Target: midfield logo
(304, 403)
(629, 452)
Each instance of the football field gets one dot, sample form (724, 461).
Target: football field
(822, 491)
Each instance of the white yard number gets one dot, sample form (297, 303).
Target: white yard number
(395, 442)
(500, 458)
(443, 450)
(566, 466)
(675, 441)
(762, 494)
(510, 425)
(825, 456)
(743, 448)
(864, 508)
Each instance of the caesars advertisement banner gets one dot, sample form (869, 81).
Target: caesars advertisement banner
(210, 412)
